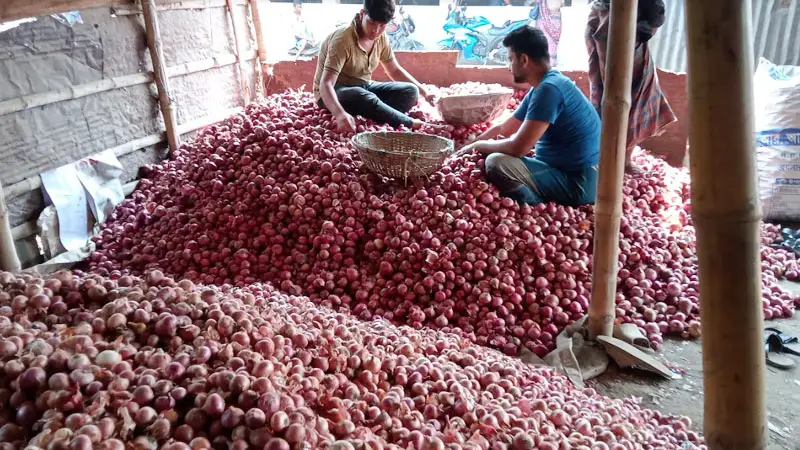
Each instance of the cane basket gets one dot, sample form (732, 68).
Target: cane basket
(474, 108)
(402, 155)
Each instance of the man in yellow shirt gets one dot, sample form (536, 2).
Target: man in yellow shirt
(343, 81)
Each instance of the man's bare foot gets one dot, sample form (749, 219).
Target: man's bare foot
(632, 169)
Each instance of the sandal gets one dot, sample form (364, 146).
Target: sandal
(785, 338)
(776, 350)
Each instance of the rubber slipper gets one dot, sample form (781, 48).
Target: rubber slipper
(785, 338)
(777, 343)
(775, 353)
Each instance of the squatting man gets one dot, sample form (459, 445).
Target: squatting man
(555, 119)
(348, 57)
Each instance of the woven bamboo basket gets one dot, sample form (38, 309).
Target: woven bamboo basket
(476, 108)
(402, 155)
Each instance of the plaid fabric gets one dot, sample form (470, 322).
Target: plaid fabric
(650, 111)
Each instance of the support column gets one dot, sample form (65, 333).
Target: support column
(616, 105)
(261, 42)
(237, 45)
(726, 215)
(160, 74)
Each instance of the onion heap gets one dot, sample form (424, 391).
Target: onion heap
(471, 88)
(275, 195)
(121, 362)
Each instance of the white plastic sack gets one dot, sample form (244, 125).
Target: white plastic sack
(777, 126)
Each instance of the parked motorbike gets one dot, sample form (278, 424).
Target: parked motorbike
(477, 38)
(400, 30)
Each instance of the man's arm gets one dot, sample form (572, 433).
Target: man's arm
(505, 128)
(335, 57)
(300, 48)
(520, 144)
(538, 109)
(328, 93)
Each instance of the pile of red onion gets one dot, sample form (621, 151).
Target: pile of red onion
(275, 195)
(88, 362)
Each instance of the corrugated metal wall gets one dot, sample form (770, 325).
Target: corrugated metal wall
(776, 34)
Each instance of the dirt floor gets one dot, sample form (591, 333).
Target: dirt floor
(684, 396)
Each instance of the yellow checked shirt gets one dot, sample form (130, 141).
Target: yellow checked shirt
(340, 53)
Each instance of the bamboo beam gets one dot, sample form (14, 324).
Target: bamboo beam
(726, 215)
(608, 207)
(131, 10)
(71, 92)
(261, 43)
(238, 48)
(21, 9)
(24, 230)
(9, 260)
(95, 87)
(162, 81)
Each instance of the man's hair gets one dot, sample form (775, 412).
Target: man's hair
(297, 2)
(529, 41)
(380, 10)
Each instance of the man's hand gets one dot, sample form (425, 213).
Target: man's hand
(477, 146)
(345, 123)
(427, 95)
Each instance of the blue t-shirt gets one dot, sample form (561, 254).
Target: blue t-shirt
(572, 140)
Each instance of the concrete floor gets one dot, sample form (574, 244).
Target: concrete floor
(685, 396)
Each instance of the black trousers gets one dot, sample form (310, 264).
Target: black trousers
(383, 102)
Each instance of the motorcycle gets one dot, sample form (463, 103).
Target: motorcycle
(477, 38)
(400, 30)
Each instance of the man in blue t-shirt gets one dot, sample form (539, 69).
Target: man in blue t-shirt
(555, 120)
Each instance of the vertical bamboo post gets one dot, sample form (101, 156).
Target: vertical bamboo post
(9, 261)
(608, 207)
(160, 74)
(238, 49)
(726, 215)
(260, 42)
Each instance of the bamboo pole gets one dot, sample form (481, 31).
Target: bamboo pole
(726, 215)
(261, 43)
(9, 260)
(238, 48)
(162, 82)
(130, 10)
(616, 105)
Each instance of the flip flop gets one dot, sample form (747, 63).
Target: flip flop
(785, 338)
(775, 353)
